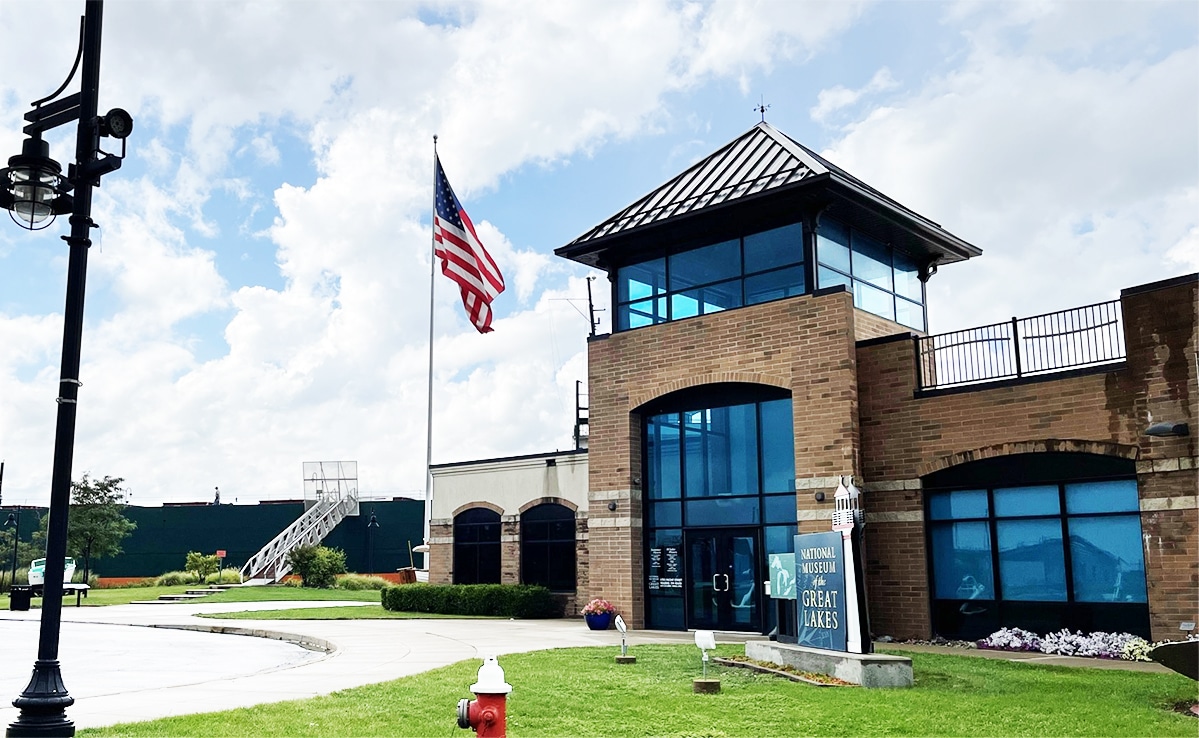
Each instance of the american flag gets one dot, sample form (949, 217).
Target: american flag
(463, 258)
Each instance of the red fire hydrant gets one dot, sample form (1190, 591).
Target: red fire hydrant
(487, 715)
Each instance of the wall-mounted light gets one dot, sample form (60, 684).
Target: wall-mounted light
(612, 506)
(819, 496)
(1168, 429)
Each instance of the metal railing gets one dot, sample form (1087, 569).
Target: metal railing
(1022, 347)
(308, 530)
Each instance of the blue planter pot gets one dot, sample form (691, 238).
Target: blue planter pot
(599, 621)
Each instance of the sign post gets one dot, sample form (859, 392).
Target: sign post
(220, 554)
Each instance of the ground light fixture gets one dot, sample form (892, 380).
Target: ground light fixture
(705, 640)
(34, 191)
(624, 657)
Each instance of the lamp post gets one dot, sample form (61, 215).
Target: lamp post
(371, 526)
(33, 189)
(14, 519)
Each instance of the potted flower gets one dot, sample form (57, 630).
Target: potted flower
(599, 613)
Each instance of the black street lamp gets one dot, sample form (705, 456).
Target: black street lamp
(371, 526)
(33, 189)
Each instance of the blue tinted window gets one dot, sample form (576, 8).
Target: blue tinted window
(723, 511)
(639, 281)
(779, 509)
(873, 300)
(778, 446)
(706, 300)
(1032, 563)
(828, 278)
(713, 263)
(732, 450)
(774, 248)
(1102, 497)
(907, 277)
(1107, 560)
(663, 514)
(909, 314)
(774, 285)
(643, 313)
(695, 476)
(871, 261)
(662, 457)
(832, 245)
(962, 561)
(779, 538)
(962, 503)
(1015, 501)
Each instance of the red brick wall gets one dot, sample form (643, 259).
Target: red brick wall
(904, 438)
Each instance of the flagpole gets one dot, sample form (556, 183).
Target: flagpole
(429, 403)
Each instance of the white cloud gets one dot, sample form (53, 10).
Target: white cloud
(838, 98)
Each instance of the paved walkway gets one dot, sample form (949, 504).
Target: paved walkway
(173, 663)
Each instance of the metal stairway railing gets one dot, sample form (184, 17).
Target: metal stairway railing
(308, 530)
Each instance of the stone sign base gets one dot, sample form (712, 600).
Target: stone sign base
(866, 669)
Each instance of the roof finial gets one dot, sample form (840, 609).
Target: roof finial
(762, 108)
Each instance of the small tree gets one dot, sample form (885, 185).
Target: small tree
(202, 564)
(96, 523)
(317, 566)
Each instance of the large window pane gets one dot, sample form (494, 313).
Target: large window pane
(1016, 501)
(732, 450)
(779, 509)
(962, 561)
(1032, 563)
(873, 300)
(723, 511)
(826, 277)
(705, 300)
(958, 504)
(1102, 497)
(714, 263)
(643, 313)
(774, 285)
(774, 248)
(832, 245)
(1107, 560)
(695, 470)
(664, 514)
(871, 261)
(779, 538)
(909, 314)
(778, 446)
(662, 456)
(639, 281)
(907, 277)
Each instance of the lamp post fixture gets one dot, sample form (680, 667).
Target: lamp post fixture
(14, 519)
(33, 189)
(371, 526)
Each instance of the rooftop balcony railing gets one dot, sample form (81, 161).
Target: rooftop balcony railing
(1022, 347)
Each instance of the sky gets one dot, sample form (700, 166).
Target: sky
(258, 292)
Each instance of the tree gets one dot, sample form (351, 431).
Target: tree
(202, 564)
(96, 525)
(317, 566)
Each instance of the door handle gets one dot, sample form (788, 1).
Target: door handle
(726, 582)
(715, 586)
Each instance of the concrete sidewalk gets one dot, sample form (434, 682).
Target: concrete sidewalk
(118, 673)
(173, 663)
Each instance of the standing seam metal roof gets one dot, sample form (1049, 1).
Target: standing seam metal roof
(761, 159)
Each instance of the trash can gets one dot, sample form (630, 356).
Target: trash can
(19, 597)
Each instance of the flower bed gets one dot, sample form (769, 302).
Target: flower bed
(1065, 642)
(782, 670)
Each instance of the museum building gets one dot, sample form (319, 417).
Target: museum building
(768, 345)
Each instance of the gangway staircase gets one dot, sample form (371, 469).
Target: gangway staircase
(270, 564)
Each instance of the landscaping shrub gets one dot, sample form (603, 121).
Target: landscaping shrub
(357, 582)
(502, 600)
(225, 576)
(174, 579)
(202, 564)
(1074, 643)
(317, 566)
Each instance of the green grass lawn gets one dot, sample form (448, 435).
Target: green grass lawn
(125, 595)
(582, 692)
(357, 612)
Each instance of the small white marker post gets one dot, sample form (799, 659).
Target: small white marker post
(705, 640)
(624, 657)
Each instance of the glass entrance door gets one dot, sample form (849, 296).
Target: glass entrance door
(722, 580)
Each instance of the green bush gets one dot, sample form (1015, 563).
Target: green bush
(318, 566)
(502, 600)
(202, 564)
(225, 576)
(356, 582)
(175, 578)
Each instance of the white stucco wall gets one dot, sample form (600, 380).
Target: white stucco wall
(510, 483)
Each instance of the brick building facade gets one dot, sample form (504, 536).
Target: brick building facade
(769, 344)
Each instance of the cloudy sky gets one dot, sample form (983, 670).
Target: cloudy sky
(258, 295)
